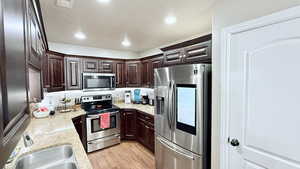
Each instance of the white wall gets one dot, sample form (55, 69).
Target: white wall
(89, 51)
(226, 13)
(157, 50)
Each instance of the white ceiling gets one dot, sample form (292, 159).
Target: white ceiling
(106, 25)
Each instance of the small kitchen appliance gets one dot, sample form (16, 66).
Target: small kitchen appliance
(127, 97)
(98, 81)
(99, 137)
(137, 96)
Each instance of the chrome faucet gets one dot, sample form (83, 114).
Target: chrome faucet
(27, 140)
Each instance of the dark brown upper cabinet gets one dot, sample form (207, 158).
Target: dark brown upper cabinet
(90, 65)
(133, 74)
(197, 50)
(73, 73)
(106, 66)
(155, 63)
(173, 57)
(45, 71)
(197, 53)
(56, 72)
(120, 73)
(146, 72)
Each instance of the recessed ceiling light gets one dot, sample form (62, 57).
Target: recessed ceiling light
(104, 1)
(126, 42)
(80, 35)
(170, 20)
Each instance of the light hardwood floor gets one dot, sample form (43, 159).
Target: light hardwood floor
(127, 155)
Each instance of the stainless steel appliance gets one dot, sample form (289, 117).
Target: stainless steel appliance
(97, 137)
(98, 81)
(182, 117)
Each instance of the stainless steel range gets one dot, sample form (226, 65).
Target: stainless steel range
(97, 137)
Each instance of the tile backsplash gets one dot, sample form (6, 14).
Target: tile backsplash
(54, 98)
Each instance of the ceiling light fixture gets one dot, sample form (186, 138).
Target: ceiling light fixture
(80, 35)
(104, 1)
(170, 20)
(126, 42)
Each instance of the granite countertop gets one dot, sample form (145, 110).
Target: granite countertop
(144, 108)
(52, 131)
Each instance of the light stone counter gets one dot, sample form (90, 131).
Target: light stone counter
(54, 131)
(144, 108)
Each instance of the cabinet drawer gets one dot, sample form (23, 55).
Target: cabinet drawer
(146, 118)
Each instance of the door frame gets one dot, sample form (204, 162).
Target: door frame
(226, 36)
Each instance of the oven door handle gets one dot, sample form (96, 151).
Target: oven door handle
(93, 116)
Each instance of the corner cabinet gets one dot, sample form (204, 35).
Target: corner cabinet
(73, 73)
(139, 126)
(56, 72)
(133, 74)
(128, 124)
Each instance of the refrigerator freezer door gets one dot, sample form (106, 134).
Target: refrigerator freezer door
(171, 156)
(161, 94)
(187, 106)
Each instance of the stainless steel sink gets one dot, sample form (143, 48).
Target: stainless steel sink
(59, 157)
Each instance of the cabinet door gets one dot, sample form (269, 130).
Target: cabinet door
(106, 66)
(173, 57)
(45, 71)
(56, 73)
(128, 125)
(146, 73)
(73, 73)
(33, 33)
(156, 63)
(141, 132)
(80, 126)
(151, 139)
(198, 53)
(133, 74)
(120, 74)
(90, 65)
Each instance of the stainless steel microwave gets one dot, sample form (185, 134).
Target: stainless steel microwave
(98, 81)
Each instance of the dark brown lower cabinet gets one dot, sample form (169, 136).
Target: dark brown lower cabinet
(137, 125)
(128, 124)
(80, 126)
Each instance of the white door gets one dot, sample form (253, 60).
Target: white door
(261, 93)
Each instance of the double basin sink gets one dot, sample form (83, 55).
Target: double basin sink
(58, 157)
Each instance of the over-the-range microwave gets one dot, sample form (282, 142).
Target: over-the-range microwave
(98, 81)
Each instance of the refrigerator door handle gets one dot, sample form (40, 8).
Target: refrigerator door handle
(174, 110)
(169, 108)
(174, 149)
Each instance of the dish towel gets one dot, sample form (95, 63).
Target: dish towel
(104, 120)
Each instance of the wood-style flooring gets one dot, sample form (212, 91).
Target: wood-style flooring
(127, 155)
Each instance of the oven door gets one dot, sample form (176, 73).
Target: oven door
(98, 81)
(93, 126)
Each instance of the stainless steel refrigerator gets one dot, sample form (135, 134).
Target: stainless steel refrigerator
(182, 116)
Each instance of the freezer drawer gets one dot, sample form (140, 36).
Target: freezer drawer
(171, 156)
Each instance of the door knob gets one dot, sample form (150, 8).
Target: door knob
(235, 142)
